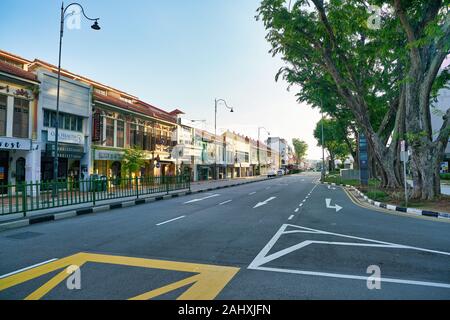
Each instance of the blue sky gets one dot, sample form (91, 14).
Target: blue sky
(173, 54)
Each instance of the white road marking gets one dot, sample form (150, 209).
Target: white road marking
(296, 210)
(161, 223)
(27, 268)
(346, 276)
(222, 203)
(259, 204)
(252, 193)
(201, 199)
(329, 206)
(304, 200)
(263, 258)
(300, 205)
(290, 218)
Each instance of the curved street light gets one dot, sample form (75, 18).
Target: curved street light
(216, 103)
(96, 27)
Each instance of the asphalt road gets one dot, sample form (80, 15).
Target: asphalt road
(274, 239)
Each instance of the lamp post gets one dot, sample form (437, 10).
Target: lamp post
(259, 161)
(323, 154)
(216, 102)
(95, 26)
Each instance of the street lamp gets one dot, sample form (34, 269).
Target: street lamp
(216, 102)
(95, 26)
(259, 147)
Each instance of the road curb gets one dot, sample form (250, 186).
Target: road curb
(57, 216)
(412, 211)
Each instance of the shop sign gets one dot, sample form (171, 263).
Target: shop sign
(15, 144)
(66, 136)
(96, 127)
(108, 155)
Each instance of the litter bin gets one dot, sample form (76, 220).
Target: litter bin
(102, 183)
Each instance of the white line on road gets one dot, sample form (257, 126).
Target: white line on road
(27, 268)
(304, 200)
(259, 204)
(222, 203)
(200, 199)
(296, 210)
(161, 223)
(252, 193)
(300, 205)
(291, 217)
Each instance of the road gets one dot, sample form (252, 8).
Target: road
(274, 239)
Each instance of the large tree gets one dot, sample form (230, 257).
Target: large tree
(300, 148)
(334, 136)
(328, 46)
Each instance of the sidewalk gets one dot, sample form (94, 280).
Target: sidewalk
(10, 221)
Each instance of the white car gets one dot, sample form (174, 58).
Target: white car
(280, 172)
(271, 173)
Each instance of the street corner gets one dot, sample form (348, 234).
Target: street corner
(304, 251)
(85, 276)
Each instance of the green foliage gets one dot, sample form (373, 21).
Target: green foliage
(445, 176)
(333, 138)
(300, 147)
(133, 161)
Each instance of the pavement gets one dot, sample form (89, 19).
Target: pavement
(284, 238)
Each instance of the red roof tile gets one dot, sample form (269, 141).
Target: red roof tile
(15, 71)
(135, 107)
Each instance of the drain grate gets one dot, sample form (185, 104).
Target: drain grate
(24, 235)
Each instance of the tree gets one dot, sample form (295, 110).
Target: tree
(300, 148)
(133, 161)
(333, 139)
(375, 75)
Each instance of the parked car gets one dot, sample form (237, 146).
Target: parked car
(280, 172)
(271, 173)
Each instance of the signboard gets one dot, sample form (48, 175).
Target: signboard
(363, 160)
(15, 144)
(108, 155)
(96, 127)
(444, 167)
(66, 136)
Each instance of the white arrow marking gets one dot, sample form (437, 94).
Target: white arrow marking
(196, 200)
(337, 207)
(264, 202)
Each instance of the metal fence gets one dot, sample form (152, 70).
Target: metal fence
(32, 196)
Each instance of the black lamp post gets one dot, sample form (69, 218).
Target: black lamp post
(216, 102)
(259, 147)
(95, 26)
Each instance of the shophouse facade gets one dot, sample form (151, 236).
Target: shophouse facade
(19, 151)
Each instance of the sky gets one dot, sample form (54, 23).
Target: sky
(172, 54)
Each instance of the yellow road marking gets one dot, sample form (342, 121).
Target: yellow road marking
(207, 282)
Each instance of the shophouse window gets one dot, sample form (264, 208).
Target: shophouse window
(66, 121)
(21, 119)
(120, 133)
(139, 142)
(109, 132)
(3, 108)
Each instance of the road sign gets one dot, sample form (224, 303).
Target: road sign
(363, 160)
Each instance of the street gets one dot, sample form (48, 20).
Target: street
(284, 238)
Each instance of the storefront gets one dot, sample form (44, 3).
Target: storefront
(108, 163)
(71, 153)
(15, 160)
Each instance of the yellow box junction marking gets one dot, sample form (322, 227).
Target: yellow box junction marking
(206, 284)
